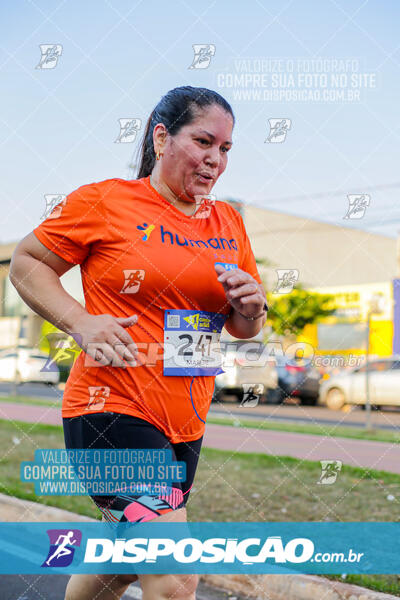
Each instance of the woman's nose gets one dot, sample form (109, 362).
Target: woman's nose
(213, 157)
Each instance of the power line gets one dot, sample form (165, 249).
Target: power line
(344, 193)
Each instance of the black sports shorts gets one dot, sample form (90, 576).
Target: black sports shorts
(110, 430)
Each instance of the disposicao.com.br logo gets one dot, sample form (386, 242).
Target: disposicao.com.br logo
(213, 550)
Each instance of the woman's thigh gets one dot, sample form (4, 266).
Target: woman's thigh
(189, 453)
(119, 431)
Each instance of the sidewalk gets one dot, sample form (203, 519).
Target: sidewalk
(359, 453)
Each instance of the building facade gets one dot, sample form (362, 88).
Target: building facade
(351, 264)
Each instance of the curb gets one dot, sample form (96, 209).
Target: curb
(258, 587)
(293, 587)
(14, 509)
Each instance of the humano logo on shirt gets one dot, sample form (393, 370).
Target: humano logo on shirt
(147, 229)
(175, 239)
(217, 243)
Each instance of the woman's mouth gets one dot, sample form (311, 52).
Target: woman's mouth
(204, 178)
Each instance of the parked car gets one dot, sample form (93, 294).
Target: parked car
(23, 365)
(298, 378)
(349, 387)
(243, 364)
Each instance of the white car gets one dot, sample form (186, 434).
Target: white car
(242, 365)
(22, 365)
(349, 387)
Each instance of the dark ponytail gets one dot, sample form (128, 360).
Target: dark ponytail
(175, 110)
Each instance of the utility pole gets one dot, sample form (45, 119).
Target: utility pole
(367, 394)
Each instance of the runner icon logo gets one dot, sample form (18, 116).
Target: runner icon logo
(202, 55)
(278, 129)
(133, 279)
(54, 206)
(251, 394)
(204, 205)
(62, 351)
(50, 55)
(62, 547)
(286, 280)
(128, 130)
(98, 397)
(330, 471)
(357, 205)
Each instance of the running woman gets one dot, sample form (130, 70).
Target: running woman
(164, 266)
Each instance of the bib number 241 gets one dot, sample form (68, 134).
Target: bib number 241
(191, 342)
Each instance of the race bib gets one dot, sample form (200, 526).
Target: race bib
(191, 342)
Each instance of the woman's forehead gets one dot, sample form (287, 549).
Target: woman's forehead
(212, 123)
(213, 111)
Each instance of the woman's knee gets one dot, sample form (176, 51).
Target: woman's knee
(126, 579)
(174, 587)
(189, 585)
(183, 586)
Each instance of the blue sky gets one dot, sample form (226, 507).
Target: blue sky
(58, 126)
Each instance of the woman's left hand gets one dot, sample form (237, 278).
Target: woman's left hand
(242, 291)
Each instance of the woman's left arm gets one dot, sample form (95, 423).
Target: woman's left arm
(248, 300)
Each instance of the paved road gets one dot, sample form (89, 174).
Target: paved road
(52, 587)
(388, 418)
(360, 453)
(31, 389)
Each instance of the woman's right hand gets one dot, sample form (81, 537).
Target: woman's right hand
(105, 339)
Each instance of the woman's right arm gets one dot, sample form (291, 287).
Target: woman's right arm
(35, 272)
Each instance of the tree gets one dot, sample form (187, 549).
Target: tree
(290, 313)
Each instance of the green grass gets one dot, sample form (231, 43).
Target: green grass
(232, 486)
(325, 429)
(18, 442)
(56, 402)
(245, 487)
(387, 584)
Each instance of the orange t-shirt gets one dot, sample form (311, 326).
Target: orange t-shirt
(141, 255)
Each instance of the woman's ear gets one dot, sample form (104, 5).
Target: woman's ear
(159, 136)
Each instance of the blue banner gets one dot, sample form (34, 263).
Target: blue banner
(153, 547)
